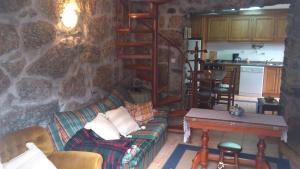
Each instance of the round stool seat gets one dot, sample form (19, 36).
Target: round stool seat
(230, 147)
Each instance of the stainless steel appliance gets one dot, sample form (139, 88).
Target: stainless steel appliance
(251, 81)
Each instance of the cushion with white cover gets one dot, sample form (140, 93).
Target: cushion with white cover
(123, 121)
(33, 158)
(103, 128)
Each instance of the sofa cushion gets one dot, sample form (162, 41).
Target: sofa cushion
(153, 131)
(147, 151)
(33, 158)
(66, 124)
(141, 112)
(144, 146)
(103, 128)
(121, 118)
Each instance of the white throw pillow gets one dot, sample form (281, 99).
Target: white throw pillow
(123, 121)
(103, 128)
(33, 158)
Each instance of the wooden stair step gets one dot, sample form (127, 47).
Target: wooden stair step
(177, 113)
(145, 77)
(139, 67)
(133, 44)
(169, 100)
(134, 56)
(140, 15)
(127, 30)
(175, 128)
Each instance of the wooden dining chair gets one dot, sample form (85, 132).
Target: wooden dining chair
(206, 95)
(224, 92)
(212, 66)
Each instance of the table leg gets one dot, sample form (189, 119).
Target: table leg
(190, 138)
(261, 163)
(202, 156)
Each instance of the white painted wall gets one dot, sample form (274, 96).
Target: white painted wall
(274, 51)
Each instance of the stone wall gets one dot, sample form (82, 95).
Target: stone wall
(46, 68)
(290, 88)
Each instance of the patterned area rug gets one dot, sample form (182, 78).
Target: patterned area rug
(182, 156)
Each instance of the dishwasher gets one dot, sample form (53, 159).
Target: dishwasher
(251, 81)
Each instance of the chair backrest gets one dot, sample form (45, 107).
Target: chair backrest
(13, 144)
(233, 80)
(205, 80)
(212, 66)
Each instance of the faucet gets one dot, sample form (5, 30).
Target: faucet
(267, 61)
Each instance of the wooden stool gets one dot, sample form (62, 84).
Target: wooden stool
(231, 148)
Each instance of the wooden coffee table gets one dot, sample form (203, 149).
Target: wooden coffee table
(257, 124)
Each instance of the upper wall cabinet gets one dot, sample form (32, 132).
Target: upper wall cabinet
(280, 28)
(239, 28)
(197, 26)
(263, 28)
(217, 28)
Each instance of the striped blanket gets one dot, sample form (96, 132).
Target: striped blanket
(112, 151)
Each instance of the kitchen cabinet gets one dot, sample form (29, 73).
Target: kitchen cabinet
(272, 81)
(217, 28)
(199, 29)
(280, 31)
(240, 28)
(196, 23)
(227, 78)
(263, 28)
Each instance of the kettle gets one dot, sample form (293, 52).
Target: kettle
(236, 58)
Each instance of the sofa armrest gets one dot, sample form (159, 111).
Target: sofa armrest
(76, 160)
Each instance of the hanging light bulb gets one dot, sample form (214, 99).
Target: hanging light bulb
(69, 16)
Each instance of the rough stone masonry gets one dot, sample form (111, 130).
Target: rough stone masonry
(44, 68)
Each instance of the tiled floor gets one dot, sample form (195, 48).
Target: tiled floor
(248, 143)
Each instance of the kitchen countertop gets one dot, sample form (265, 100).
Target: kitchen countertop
(253, 63)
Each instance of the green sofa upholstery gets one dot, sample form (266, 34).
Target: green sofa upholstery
(149, 140)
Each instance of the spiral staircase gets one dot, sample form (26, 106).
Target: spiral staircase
(137, 44)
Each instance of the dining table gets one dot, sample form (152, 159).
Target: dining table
(249, 123)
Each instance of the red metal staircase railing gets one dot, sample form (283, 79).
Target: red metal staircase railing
(148, 69)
